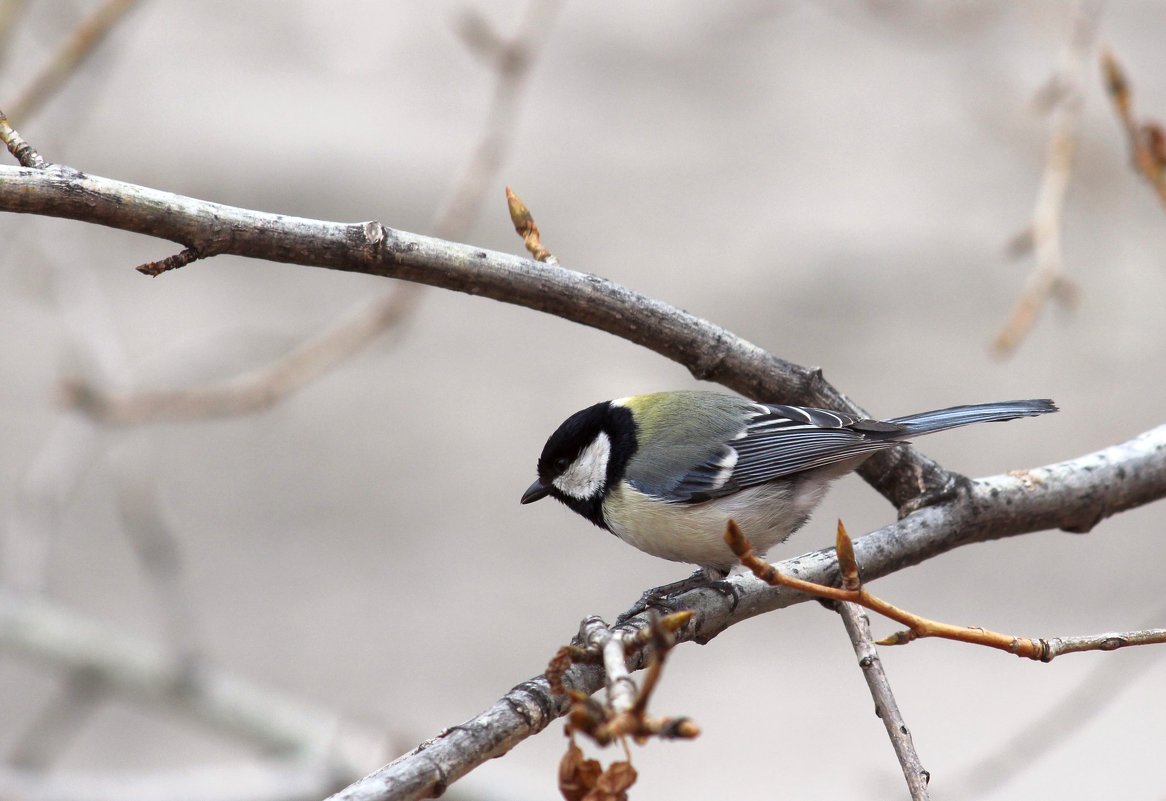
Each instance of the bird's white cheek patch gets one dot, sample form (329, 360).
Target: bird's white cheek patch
(585, 477)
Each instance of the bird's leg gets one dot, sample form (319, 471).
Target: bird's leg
(662, 597)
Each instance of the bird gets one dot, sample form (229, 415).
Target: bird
(665, 471)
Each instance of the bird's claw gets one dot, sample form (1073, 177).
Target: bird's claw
(936, 496)
(664, 597)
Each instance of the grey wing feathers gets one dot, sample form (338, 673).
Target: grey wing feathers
(780, 441)
(796, 451)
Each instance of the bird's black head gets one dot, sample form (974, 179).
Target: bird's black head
(584, 457)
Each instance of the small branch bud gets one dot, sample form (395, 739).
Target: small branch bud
(846, 561)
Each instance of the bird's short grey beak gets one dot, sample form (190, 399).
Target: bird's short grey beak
(534, 492)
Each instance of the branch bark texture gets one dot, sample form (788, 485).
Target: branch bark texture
(708, 351)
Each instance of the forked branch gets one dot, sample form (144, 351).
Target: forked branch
(918, 627)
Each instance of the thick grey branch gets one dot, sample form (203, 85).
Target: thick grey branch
(708, 351)
(1073, 495)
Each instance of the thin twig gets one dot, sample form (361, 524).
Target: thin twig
(180, 259)
(625, 713)
(858, 629)
(1048, 278)
(80, 45)
(21, 150)
(621, 688)
(918, 627)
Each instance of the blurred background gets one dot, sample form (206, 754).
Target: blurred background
(836, 182)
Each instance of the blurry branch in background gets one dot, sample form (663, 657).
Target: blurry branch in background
(918, 627)
(74, 446)
(109, 661)
(39, 744)
(49, 634)
(1061, 721)
(1073, 495)
(80, 45)
(356, 329)
(886, 708)
(1147, 139)
(1063, 96)
(263, 779)
(155, 542)
(10, 11)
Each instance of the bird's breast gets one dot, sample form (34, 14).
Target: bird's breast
(694, 532)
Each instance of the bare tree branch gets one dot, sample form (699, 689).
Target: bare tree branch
(1074, 495)
(707, 350)
(1044, 649)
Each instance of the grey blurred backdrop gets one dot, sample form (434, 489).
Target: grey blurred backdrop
(834, 181)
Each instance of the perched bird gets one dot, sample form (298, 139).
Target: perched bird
(664, 472)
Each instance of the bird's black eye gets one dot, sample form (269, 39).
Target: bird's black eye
(561, 464)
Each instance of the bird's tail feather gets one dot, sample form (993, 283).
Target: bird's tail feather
(956, 416)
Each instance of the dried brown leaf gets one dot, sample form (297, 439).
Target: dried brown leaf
(613, 785)
(578, 776)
